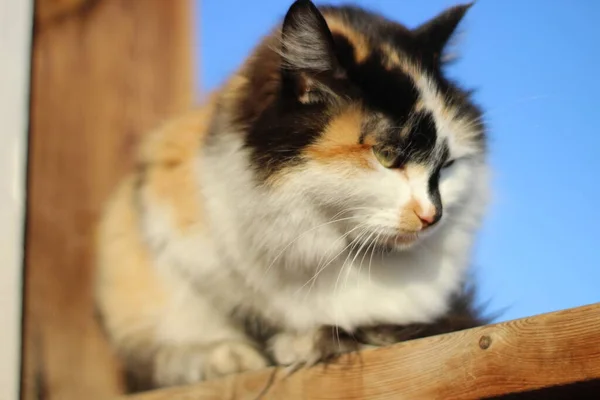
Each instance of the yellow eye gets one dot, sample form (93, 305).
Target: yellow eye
(385, 156)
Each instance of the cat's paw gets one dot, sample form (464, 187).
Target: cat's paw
(291, 348)
(182, 365)
(307, 349)
(233, 357)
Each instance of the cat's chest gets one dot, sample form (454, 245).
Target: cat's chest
(397, 291)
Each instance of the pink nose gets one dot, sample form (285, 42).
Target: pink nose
(427, 219)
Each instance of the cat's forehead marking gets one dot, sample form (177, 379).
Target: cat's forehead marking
(460, 133)
(394, 59)
(429, 99)
(456, 132)
(340, 139)
(359, 42)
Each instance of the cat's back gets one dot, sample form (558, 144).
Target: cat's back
(129, 292)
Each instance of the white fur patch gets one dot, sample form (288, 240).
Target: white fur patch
(279, 250)
(448, 125)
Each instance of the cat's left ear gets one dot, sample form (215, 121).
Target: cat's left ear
(307, 49)
(434, 35)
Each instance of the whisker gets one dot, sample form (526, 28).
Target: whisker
(322, 268)
(373, 252)
(365, 254)
(342, 269)
(306, 232)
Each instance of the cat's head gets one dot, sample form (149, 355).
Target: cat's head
(353, 112)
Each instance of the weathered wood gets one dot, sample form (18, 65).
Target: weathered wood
(545, 350)
(52, 10)
(103, 73)
(16, 20)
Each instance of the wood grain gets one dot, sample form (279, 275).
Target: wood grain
(52, 10)
(101, 76)
(530, 353)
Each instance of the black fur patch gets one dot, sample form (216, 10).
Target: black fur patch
(256, 327)
(462, 314)
(278, 126)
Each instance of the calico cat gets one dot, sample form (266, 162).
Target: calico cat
(326, 198)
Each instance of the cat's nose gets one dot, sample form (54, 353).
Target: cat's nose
(429, 218)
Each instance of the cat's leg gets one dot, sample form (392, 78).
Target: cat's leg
(166, 330)
(195, 342)
(182, 339)
(193, 362)
(162, 365)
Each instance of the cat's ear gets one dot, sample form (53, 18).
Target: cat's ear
(434, 35)
(307, 47)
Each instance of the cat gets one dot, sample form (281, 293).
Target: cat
(325, 199)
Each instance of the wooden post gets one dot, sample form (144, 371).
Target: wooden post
(103, 73)
(16, 21)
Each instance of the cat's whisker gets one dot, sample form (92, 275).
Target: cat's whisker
(373, 252)
(355, 242)
(342, 237)
(322, 268)
(306, 232)
(343, 267)
(348, 268)
(335, 331)
(370, 242)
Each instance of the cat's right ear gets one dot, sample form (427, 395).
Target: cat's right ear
(307, 49)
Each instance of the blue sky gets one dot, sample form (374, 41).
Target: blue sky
(536, 66)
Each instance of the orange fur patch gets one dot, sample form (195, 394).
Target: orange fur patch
(357, 40)
(340, 140)
(128, 291)
(409, 220)
(169, 156)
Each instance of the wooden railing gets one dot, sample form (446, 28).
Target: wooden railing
(545, 351)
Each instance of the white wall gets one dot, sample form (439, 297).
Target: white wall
(16, 18)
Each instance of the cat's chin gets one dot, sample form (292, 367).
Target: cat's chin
(405, 241)
(401, 242)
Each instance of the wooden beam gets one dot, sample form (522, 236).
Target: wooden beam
(546, 350)
(103, 73)
(16, 21)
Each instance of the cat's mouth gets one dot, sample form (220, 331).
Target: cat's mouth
(397, 242)
(393, 241)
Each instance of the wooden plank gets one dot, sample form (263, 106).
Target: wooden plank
(16, 21)
(104, 72)
(525, 354)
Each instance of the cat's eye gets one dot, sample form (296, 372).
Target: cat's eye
(385, 156)
(448, 164)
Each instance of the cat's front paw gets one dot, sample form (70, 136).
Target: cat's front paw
(182, 365)
(309, 348)
(233, 357)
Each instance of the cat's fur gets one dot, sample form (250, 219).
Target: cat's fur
(255, 224)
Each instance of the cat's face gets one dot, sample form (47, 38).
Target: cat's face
(363, 123)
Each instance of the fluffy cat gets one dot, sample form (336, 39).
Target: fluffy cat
(335, 182)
